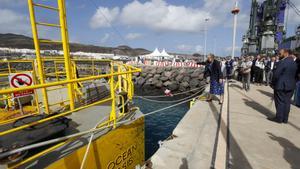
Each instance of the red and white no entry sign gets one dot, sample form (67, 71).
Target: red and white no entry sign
(19, 80)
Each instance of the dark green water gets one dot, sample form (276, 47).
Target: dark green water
(159, 126)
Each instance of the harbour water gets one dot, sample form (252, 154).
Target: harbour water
(159, 126)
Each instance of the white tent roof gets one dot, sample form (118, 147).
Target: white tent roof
(157, 54)
(164, 53)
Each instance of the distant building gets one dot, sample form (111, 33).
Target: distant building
(292, 42)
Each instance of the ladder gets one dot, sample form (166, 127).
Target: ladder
(61, 10)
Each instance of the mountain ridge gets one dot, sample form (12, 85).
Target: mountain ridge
(10, 40)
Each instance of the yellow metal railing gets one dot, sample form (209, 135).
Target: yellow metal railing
(56, 73)
(122, 75)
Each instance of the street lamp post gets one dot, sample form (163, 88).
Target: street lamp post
(235, 12)
(205, 36)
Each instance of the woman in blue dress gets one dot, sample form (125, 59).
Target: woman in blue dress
(213, 70)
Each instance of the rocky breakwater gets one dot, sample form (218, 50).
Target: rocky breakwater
(154, 80)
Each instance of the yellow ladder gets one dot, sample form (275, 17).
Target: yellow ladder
(61, 9)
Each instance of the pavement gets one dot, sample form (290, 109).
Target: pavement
(236, 135)
(193, 141)
(255, 142)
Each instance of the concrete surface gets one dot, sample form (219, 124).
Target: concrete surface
(202, 141)
(194, 142)
(256, 142)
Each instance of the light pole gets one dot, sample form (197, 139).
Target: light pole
(205, 36)
(235, 12)
(214, 46)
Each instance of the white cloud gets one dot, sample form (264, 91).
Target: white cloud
(103, 17)
(292, 16)
(199, 48)
(105, 38)
(13, 22)
(229, 49)
(159, 15)
(189, 48)
(12, 2)
(184, 47)
(133, 36)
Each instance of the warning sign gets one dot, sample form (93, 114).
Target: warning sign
(19, 80)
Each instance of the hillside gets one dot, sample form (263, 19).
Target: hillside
(20, 41)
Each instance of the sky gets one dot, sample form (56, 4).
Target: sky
(175, 25)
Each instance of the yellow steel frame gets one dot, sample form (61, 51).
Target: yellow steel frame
(111, 75)
(123, 75)
(38, 53)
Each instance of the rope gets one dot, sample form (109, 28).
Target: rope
(52, 141)
(173, 101)
(158, 96)
(89, 144)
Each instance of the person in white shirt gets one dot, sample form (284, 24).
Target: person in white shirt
(246, 69)
(260, 72)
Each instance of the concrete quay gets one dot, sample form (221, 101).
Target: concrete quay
(236, 135)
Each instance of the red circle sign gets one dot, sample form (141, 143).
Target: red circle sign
(22, 79)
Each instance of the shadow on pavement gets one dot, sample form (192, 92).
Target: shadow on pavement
(236, 86)
(291, 152)
(258, 107)
(269, 94)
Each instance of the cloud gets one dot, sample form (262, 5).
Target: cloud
(105, 38)
(161, 16)
(189, 48)
(103, 17)
(14, 22)
(292, 16)
(199, 48)
(158, 15)
(12, 2)
(133, 36)
(229, 49)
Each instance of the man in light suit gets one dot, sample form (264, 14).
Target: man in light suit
(284, 83)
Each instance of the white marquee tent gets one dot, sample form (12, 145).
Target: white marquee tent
(156, 55)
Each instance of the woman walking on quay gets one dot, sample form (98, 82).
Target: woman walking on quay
(213, 71)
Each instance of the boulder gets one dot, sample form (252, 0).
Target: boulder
(182, 89)
(173, 86)
(194, 83)
(185, 84)
(196, 74)
(179, 77)
(167, 83)
(150, 75)
(159, 70)
(153, 71)
(158, 84)
(164, 78)
(168, 68)
(168, 74)
(156, 76)
(186, 79)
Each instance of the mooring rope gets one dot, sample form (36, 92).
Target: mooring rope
(175, 94)
(173, 101)
(91, 131)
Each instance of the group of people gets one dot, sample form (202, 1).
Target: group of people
(281, 72)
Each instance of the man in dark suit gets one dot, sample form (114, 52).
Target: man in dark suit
(284, 83)
(269, 70)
